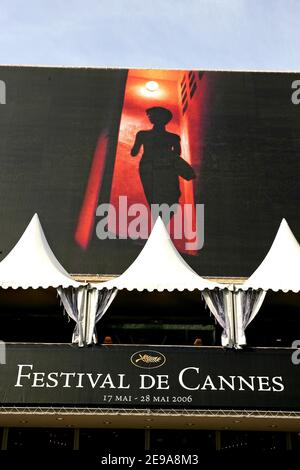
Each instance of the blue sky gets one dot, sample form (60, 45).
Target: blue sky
(204, 34)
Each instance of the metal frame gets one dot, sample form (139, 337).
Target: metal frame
(146, 412)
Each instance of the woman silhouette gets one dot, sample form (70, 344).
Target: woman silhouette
(158, 166)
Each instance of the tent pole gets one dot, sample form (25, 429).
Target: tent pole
(86, 314)
(234, 325)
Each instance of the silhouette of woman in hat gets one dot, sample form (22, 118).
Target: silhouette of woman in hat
(159, 169)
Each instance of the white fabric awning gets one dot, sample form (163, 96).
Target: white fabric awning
(280, 270)
(159, 267)
(32, 264)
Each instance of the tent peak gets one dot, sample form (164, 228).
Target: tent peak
(284, 223)
(35, 217)
(32, 264)
(159, 266)
(159, 230)
(284, 234)
(280, 269)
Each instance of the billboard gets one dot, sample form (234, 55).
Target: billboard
(92, 150)
(145, 376)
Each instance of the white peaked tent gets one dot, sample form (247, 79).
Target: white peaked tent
(160, 267)
(279, 271)
(32, 264)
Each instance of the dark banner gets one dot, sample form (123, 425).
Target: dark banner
(91, 150)
(128, 376)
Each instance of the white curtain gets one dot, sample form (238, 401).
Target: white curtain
(98, 303)
(220, 304)
(246, 306)
(74, 301)
(86, 307)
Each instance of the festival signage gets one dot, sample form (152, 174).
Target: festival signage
(149, 376)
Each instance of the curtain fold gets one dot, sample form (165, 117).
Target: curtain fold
(86, 307)
(98, 303)
(74, 302)
(220, 303)
(246, 306)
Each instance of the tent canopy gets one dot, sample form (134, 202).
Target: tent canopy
(280, 269)
(159, 267)
(32, 264)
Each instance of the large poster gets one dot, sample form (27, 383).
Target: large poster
(93, 151)
(137, 376)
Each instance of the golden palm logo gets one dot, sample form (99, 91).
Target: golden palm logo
(148, 359)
